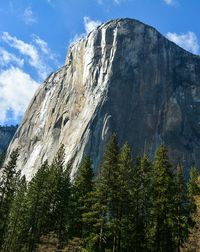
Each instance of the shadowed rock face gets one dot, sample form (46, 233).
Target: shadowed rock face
(6, 135)
(125, 77)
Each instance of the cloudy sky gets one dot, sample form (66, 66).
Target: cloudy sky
(35, 35)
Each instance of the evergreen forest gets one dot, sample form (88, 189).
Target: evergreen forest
(131, 205)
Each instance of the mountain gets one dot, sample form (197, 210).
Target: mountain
(6, 135)
(124, 77)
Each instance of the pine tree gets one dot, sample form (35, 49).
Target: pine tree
(124, 191)
(163, 203)
(141, 203)
(37, 201)
(183, 217)
(83, 185)
(104, 202)
(48, 199)
(8, 183)
(60, 198)
(108, 186)
(14, 238)
(193, 188)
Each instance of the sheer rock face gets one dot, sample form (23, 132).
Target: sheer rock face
(125, 77)
(6, 135)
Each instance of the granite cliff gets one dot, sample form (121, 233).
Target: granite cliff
(124, 77)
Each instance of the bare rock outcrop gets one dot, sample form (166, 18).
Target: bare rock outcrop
(124, 77)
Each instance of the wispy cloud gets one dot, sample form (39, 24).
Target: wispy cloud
(188, 41)
(7, 58)
(17, 87)
(169, 2)
(36, 53)
(116, 2)
(29, 17)
(89, 25)
(172, 3)
(51, 3)
(41, 43)
(24, 48)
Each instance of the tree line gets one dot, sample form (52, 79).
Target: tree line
(131, 205)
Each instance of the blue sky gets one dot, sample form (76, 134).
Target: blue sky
(35, 35)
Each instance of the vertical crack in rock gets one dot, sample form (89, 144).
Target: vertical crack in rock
(124, 77)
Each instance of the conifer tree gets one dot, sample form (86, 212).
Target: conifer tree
(104, 201)
(8, 182)
(15, 238)
(163, 203)
(60, 197)
(193, 243)
(83, 185)
(48, 202)
(37, 202)
(124, 191)
(108, 186)
(141, 203)
(193, 188)
(183, 218)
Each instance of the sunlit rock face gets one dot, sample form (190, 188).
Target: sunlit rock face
(124, 77)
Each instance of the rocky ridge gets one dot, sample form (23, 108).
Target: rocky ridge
(6, 135)
(124, 77)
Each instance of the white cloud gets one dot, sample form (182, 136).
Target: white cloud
(29, 17)
(7, 58)
(42, 44)
(169, 2)
(187, 40)
(24, 48)
(76, 38)
(117, 2)
(35, 53)
(90, 24)
(17, 88)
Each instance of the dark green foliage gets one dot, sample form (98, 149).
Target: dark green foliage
(163, 203)
(83, 186)
(8, 185)
(104, 202)
(37, 201)
(43, 209)
(14, 235)
(124, 191)
(193, 188)
(59, 197)
(144, 206)
(183, 216)
(141, 203)
(48, 202)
